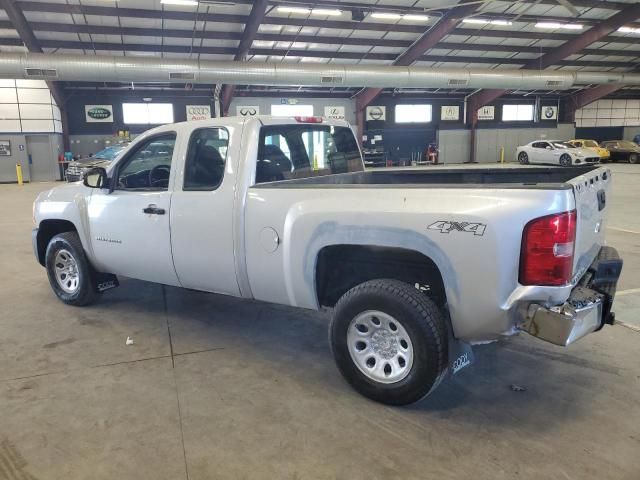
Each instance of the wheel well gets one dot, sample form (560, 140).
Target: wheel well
(341, 267)
(47, 230)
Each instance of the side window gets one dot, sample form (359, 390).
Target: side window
(577, 144)
(206, 157)
(539, 145)
(149, 166)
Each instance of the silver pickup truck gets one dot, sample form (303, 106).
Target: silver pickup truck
(417, 265)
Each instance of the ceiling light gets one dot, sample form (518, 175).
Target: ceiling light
(326, 11)
(386, 15)
(483, 21)
(501, 22)
(183, 3)
(629, 30)
(552, 25)
(304, 11)
(415, 18)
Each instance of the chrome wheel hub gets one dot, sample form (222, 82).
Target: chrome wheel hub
(66, 272)
(380, 346)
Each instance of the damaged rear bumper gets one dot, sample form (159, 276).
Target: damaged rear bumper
(586, 310)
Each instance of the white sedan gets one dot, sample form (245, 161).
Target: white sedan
(555, 152)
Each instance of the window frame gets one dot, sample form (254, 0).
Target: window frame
(148, 116)
(186, 159)
(126, 159)
(395, 113)
(533, 112)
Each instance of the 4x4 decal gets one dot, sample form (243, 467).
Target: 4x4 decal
(445, 226)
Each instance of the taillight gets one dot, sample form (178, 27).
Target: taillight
(309, 119)
(548, 243)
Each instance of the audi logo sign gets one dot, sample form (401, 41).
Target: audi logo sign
(198, 112)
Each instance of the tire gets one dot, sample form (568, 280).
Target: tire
(420, 338)
(70, 274)
(633, 158)
(523, 158)
(565, 160)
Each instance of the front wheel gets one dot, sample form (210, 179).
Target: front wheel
(565, 160)
(389, 341)
(633, 158)
(523, 158)
(69, 271)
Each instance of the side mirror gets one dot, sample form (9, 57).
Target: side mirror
(96, 178)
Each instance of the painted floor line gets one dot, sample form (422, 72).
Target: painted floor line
(624, 230)
(631, 291)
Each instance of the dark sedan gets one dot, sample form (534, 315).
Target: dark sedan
(76, 169)
(622, 150)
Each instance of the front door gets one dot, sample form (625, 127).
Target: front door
(202, 234)
(129, 227)
(43, 164)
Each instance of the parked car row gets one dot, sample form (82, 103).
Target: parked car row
(577, 152)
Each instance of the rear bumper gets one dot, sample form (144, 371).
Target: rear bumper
(586, 310)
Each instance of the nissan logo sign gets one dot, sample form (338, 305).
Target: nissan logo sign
(248, 112)
(376, 113)
(199, 111)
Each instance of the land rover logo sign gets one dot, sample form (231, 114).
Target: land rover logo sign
(549, 113)
(98, 113)
(376, 113)
(247, 110)
(198, 112)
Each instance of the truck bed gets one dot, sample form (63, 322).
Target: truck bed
(529, 177)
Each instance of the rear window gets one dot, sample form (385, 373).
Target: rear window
(305, 150)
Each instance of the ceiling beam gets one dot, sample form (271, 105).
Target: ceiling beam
(556, 56)
(20, 24)
(257, 15)
(427, 41)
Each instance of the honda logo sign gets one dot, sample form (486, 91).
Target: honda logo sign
(198, 112)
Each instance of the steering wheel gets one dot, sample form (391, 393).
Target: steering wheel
(159, 176)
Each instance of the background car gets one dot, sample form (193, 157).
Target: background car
(623, 150)
(76, 169)
(592, 145)
(554, 152)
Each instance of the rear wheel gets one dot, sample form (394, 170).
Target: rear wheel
(69, 271)
(633, 158)
(389, 341)
(565, 160)
(523, 158)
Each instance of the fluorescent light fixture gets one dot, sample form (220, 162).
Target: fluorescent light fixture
(331, 12)
(565, 26)
(415, 18)
(483, 21)
(183, 3)
(386, 15)
(300, 10)
(629, 30)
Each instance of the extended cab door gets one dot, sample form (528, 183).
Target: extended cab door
(202, 210)
(129, 227)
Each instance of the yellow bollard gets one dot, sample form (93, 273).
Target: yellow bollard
(19, 173)
(501, 154)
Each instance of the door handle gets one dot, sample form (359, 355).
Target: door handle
(153, 210)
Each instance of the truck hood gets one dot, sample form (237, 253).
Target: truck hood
(90, 162)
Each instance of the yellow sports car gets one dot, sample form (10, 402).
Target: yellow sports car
(603, 153)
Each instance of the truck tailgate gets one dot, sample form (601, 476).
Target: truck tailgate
(591, 192)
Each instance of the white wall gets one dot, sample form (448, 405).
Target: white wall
(26, 106)
(453, 146)
(609, 113)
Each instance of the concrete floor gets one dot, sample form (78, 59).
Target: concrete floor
(217, 388)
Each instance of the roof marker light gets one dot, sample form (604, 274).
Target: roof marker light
(309, 119)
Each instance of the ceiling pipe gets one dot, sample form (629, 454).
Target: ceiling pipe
(136, 69)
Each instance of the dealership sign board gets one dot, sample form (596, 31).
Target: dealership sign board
(449, 112)
(487, 113)
(198, 112)
(247, 110)
(376, 113)
(334, 113)
(98, 113)
(549, 113)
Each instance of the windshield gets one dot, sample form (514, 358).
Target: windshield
(306, 150)
(109, 153)
(625, 144)
(562, 145)
(590, 143)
